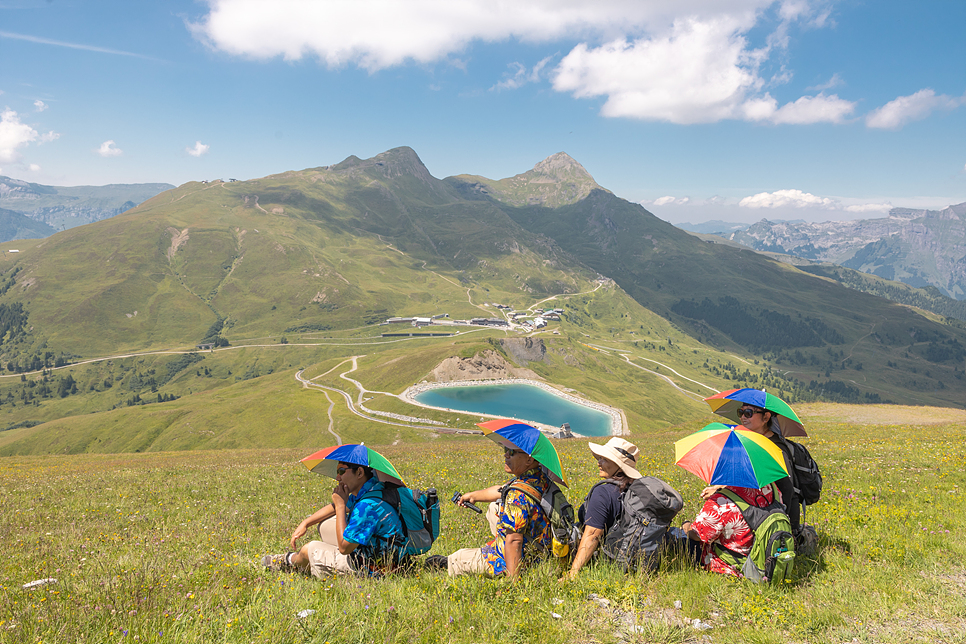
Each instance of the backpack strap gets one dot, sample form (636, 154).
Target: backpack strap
(526, 488)
(389, 494)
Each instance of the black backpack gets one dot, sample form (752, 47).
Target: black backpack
(806, 476)
(647, 507)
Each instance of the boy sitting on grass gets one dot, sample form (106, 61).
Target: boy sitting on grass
(357, 533)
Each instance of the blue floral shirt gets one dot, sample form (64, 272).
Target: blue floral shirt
(371, 522)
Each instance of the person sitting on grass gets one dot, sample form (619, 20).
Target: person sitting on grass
(520, 528)
(357, 534)
(602, 507)
(720, 524)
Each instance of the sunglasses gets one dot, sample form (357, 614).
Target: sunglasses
(748, 413)
(510, 453)
(339, 471)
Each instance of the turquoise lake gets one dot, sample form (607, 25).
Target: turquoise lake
(525, 402)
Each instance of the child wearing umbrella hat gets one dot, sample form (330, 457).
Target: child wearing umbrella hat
(356, 533)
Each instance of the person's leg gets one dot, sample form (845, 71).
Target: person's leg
(467, 561)
(321, 559)
(327, 532)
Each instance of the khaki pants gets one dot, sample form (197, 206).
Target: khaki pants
(469, 561)
(324, 556)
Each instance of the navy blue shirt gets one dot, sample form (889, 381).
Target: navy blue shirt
(602, 507)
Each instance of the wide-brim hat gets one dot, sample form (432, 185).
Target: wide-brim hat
(620, 452)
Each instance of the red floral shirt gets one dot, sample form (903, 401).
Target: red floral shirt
(720, 521)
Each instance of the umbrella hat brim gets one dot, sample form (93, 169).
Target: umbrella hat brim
(326, 462)
(727, 404)
(512, 434)
(719, 454)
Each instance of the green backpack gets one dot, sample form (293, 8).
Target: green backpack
(772, 557)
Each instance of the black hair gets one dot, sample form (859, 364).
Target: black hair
(369, 472)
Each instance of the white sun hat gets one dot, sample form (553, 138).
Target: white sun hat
(620, 452)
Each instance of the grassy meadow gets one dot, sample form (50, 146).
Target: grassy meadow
(164, 547)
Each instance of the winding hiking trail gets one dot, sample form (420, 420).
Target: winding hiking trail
(358, 411)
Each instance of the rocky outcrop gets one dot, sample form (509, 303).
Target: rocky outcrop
(489, 365)
(524, 350)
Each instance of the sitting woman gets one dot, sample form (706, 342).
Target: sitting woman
(602, 507)
(720, 526)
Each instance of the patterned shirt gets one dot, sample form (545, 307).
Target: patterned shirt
(720, 521)
(520, 514)
(371, 523)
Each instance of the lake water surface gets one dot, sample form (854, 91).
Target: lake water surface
(525, 402)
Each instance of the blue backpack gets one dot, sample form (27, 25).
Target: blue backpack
(418, 512)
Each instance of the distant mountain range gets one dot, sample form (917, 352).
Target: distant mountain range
(53, 208)
(917, 247)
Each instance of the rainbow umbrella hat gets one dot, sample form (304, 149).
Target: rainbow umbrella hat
(719, 454)
(512, 434)
(326, 461)
(728, 402)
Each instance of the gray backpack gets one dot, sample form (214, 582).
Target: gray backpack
(647, 507)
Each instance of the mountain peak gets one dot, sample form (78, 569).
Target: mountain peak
(401, 161)
(563, 167)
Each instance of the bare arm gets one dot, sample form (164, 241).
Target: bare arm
(513, 552)
(318, 517)
(485, 495)
(339, 497)
(586, 549)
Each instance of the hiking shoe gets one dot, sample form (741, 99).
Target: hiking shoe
(277, 562)
(436, 562)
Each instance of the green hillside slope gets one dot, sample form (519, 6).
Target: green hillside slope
(98, 323)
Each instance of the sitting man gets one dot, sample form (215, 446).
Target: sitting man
(720, 526)
(519, 526)
(358, 531)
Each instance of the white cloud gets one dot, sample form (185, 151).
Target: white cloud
(13, 136)
(199, 149)
(682, 61)
(813, 109)
(786, 199)
(701, 71)
(796, 199)
(40, 106)
(669, 201)
(835, 81)
(375, 34)
(905, 109)
(109, 149)
(521, 76)
(34, 167)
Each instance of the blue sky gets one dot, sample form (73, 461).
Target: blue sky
(699, 109)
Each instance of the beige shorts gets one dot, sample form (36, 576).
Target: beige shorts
(324, 556)
(469, 561)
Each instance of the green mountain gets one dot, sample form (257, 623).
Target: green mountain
(298, 269)
(14, 225)
(57, 207)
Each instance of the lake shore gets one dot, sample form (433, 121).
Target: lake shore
(618, 422)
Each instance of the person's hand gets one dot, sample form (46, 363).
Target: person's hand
(298, 534)
(466, 498)
(710, 491)
(570, 575)
(340, 495)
